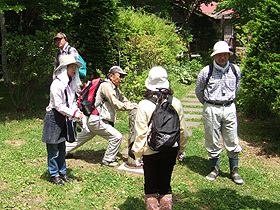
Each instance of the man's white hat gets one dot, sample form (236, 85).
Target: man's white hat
(65, 60)
(221, 47)
(157, 79)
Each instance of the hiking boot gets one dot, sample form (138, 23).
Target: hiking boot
(213, 174)
(233, 165)
(165, 202)
(151, 201)
(108, 163)
(235, 176)
(57, 180)
(65, 178)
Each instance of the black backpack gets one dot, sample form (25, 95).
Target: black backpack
(165, 126)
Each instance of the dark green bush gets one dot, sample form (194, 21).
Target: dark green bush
(261, 71)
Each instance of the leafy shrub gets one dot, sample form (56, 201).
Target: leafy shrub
(145, 41)
(29, 67)
(187, 72)
(261, 70)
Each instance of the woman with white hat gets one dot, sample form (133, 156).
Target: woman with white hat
(66, 78)
(158, 166)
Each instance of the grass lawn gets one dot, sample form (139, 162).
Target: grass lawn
(25, 182)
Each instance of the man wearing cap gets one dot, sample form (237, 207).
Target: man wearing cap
(108, 100)
(219, 111)
(64, 48)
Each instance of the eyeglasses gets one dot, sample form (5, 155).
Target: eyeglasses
(121, 75)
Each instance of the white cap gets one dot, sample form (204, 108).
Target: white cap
(221, 47)
(157, 79)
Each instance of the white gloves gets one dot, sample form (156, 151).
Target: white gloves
(139, 162)
(181, 156)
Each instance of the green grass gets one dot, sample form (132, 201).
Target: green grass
(25, 183)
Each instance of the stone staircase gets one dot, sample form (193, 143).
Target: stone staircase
(191, 104)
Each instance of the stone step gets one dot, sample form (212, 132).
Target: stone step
(192, 104)
(193, 116)
(186, 109)
(190, 99)
(191, 94)
(193, 124)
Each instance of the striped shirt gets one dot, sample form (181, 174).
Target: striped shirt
(67, 50)
(221, 87)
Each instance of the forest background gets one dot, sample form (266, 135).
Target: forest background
(137, 35)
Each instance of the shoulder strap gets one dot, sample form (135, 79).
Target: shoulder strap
(211, 67)
(169, 99)
(67, 103)
(153, 99)
(233, 69)
(209, 73)
(68, 51)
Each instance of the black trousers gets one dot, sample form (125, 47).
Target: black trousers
(157, 172)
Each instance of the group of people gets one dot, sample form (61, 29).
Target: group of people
(219, 116)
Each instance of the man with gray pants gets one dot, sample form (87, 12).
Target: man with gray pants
(217, 86)
(108, 100)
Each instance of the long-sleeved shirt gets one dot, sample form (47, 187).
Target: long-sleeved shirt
(58, 98)
(144, 113)
(109, 99)
(222, 86)
(67, 50)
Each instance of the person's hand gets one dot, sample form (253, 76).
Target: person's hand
(181, 156)
(134, 106)
(79, 115)
(139, 162)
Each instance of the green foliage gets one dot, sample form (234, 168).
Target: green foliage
(29, 67)
(261, 70)
(145, 41)
(187, 72)
(133, 85)
(93, 30)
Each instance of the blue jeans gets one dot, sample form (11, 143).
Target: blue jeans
(56, 159)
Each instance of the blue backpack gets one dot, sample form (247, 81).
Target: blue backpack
(83, 69)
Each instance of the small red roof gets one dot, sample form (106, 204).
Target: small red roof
(209, 9)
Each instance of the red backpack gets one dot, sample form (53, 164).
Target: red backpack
(87, 97)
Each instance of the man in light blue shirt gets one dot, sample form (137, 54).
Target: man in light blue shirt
(216, 91)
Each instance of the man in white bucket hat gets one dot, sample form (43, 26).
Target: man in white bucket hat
(217, 86)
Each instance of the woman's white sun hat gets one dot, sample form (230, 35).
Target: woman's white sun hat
(221, 47)
(65, 60)
(157, 79)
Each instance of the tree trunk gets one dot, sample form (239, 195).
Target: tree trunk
(4, 49)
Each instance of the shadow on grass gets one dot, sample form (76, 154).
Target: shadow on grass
(90, 156)
(223, 199)
(201, 166)
(261, 133)
(46, 176)
(93, 156)
(133, 203)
